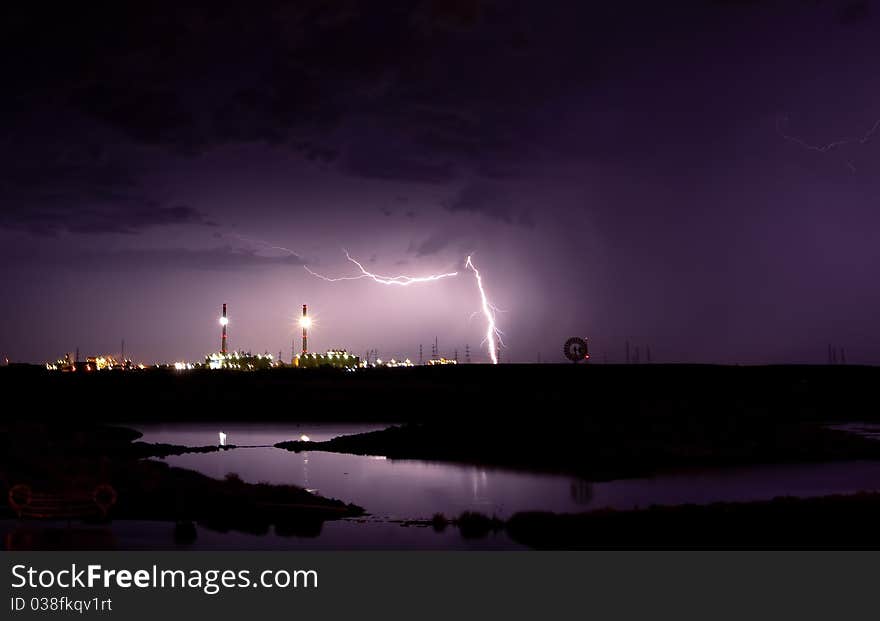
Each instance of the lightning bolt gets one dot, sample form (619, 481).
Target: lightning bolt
(492, 332)
(401, 281)
(830, 146)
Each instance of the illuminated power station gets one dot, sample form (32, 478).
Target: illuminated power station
(239, 360)
(224, 321)
(333, 358)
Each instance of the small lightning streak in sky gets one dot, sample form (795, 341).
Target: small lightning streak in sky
(828, 147)
(328, 279)
(264, 244)
(401, 281)
(492, 332)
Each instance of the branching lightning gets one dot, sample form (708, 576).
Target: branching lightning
(831, 146)
(492, 332)
(401, 281)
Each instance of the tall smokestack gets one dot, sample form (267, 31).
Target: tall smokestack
(305, 326)
(223, 322)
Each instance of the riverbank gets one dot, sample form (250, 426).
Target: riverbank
(67, 464)
(624, 449)
(599, 422)
(832, 522)
(829, 522)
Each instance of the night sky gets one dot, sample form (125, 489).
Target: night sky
(699, 177)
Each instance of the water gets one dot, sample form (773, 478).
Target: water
(413, 489)
(392, 490)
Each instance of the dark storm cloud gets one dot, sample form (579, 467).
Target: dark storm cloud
(93, 220)
(434, 78)
(99, 208)
(434, 243)
(489, 199)
(188, 78)
(151, 116)
(637, 138)
(421, 93)
(481, 198)
(426, 93)
(62, 186)
(464, 82)
(381, 164)
(855, 12)
(220, 258)
(745, 3)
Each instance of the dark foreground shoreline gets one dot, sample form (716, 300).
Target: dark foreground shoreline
(599, 422)
(67, 463)
(514, 392)
(831, 522)
(840, 521)
(627, 452)
(596, 422)
(827, 522)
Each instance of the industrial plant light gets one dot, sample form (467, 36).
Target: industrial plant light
(305, 322)
(224, 321)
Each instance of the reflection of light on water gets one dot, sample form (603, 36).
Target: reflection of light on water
(305, 470)
(480, 487)
(410, 489)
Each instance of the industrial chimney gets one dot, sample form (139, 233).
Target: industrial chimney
(223, 321)
(305, 322)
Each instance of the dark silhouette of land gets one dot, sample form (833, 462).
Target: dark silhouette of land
(829, 522)
(612, 451)
(596, 421)
(69, 461)
(599, 422)
(463, 393)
